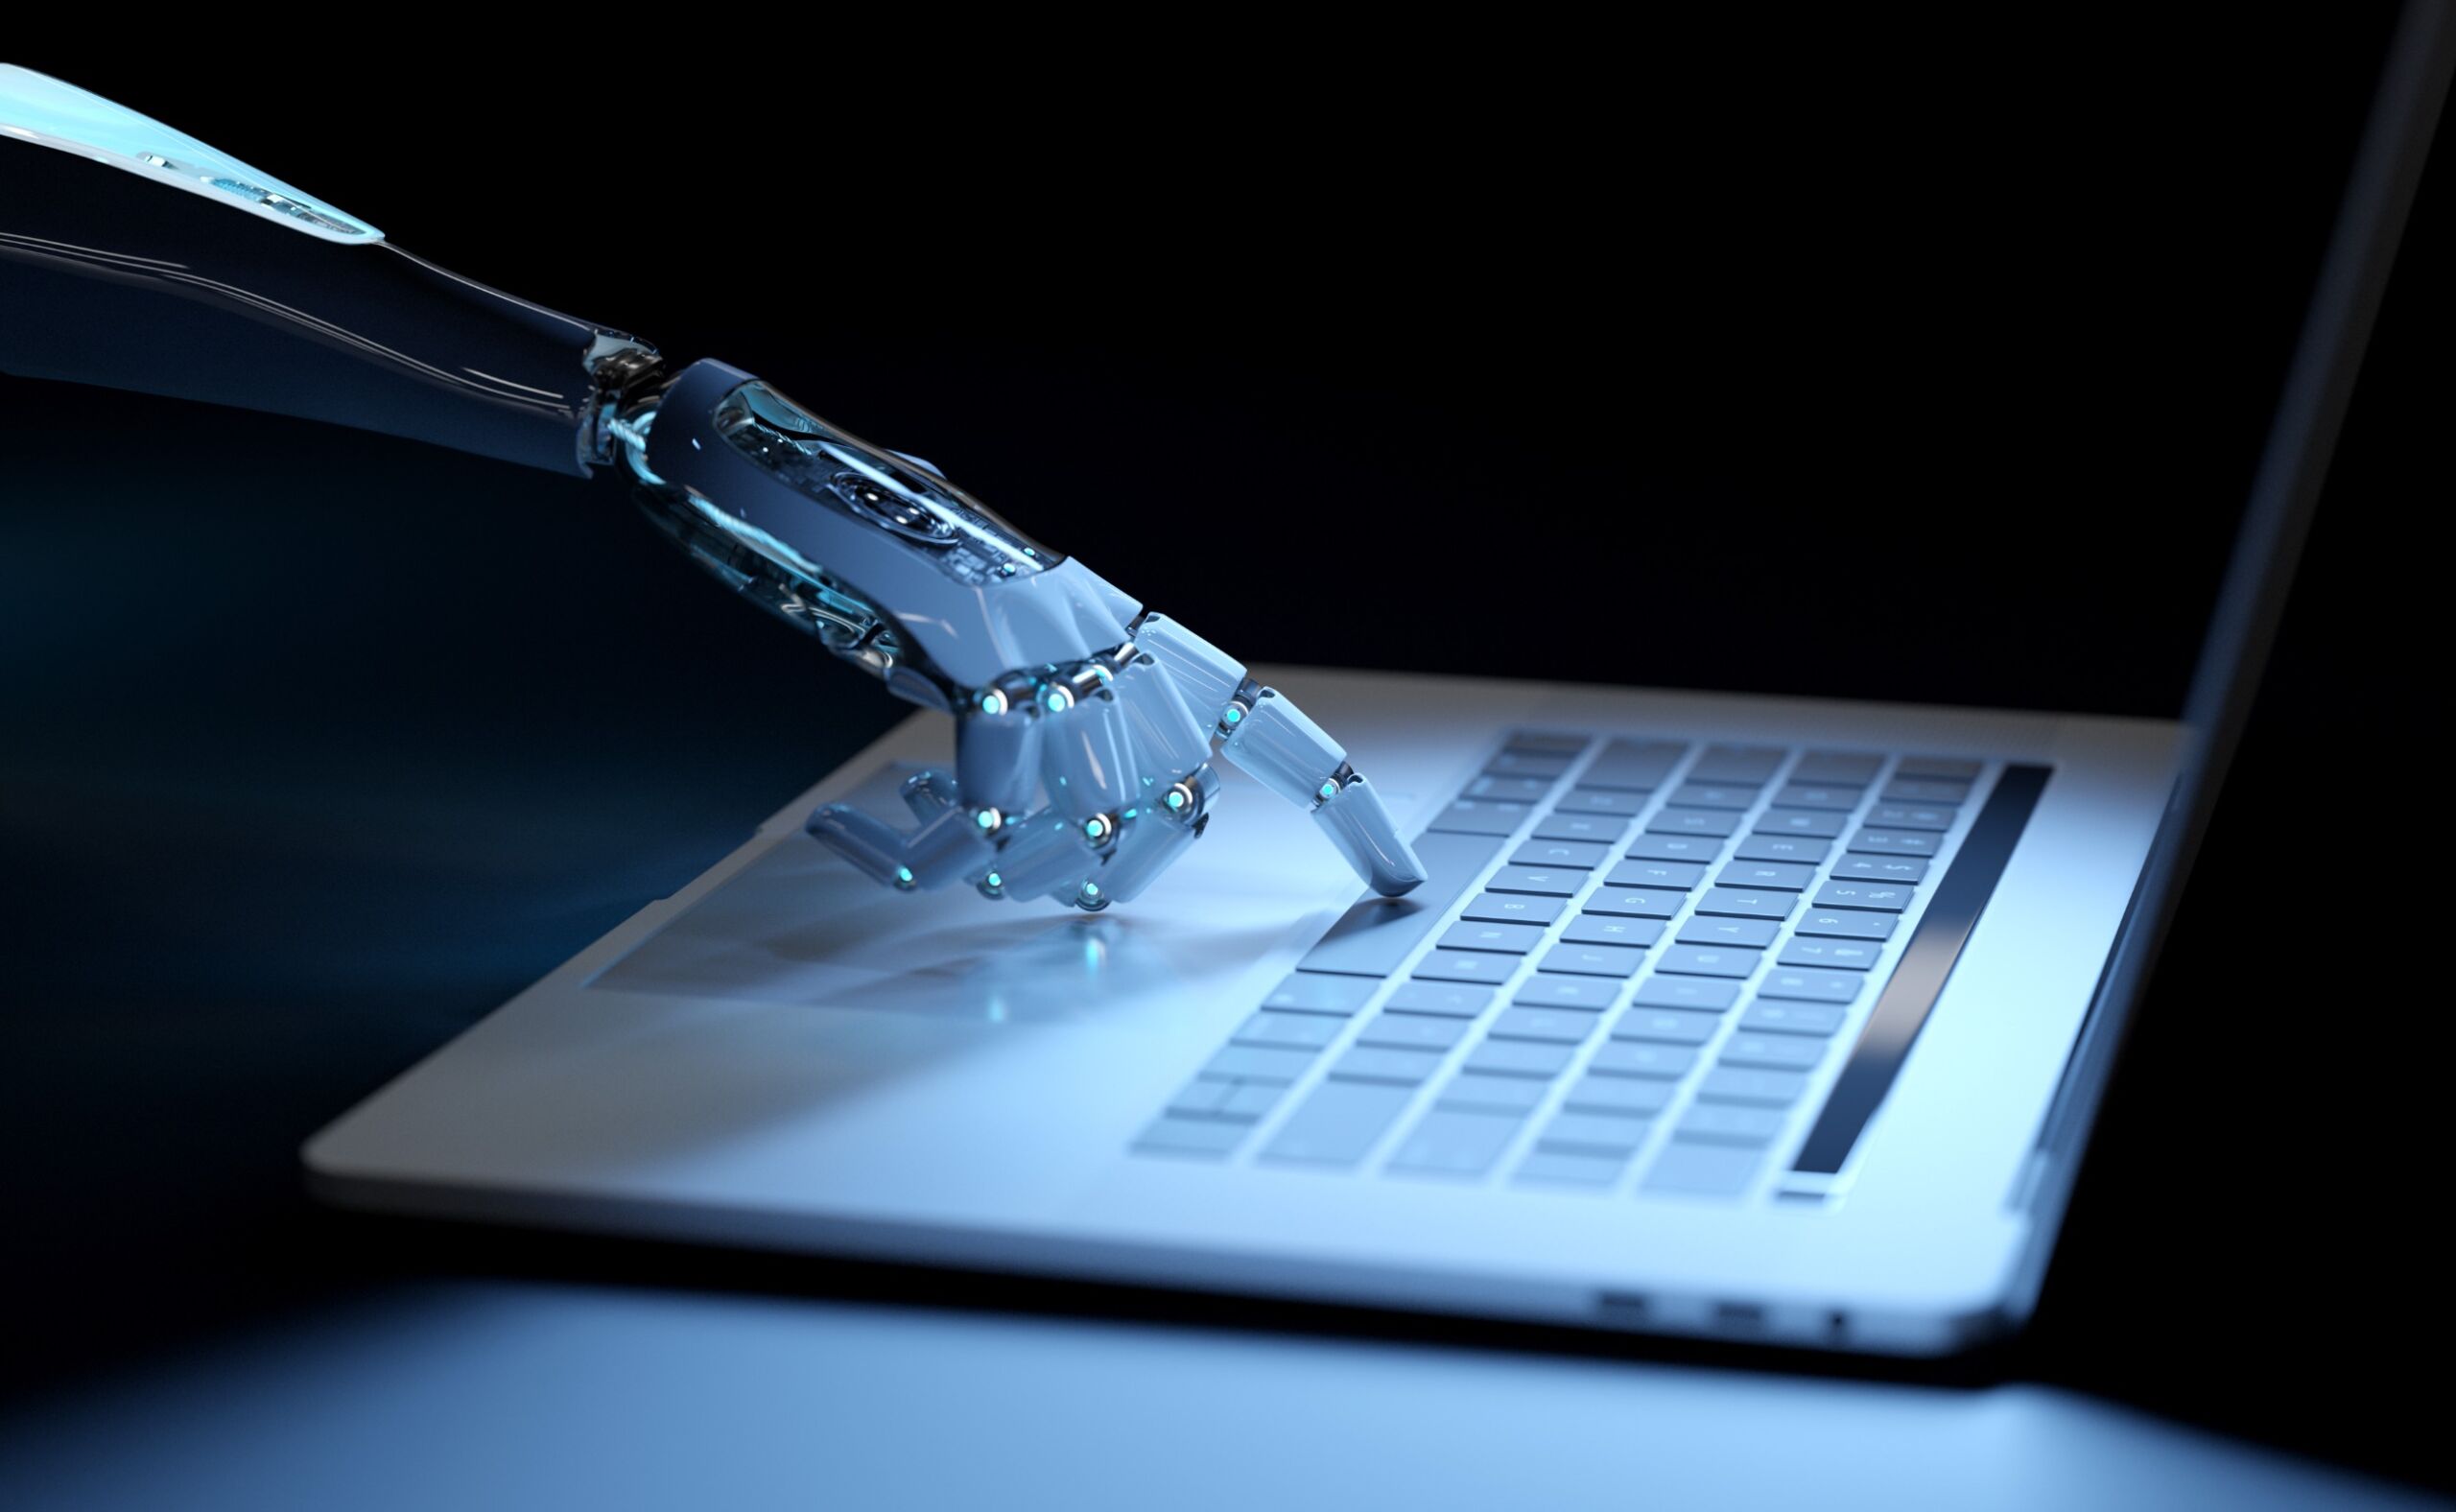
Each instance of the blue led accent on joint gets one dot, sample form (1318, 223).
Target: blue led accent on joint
(1091, 890)
(1176, 800)
(996, 881)
(1234, 715)
(1131, 813)
(1058, 701)
(986, 819)
(903, 874)
(993, 703)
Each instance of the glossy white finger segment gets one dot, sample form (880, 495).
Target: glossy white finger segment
(1168, 740)
(1206, 676)
(1284, 750)
(1359, 824)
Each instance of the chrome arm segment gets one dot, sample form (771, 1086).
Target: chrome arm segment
(133, 256)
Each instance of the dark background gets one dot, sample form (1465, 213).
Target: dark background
(1924, 364)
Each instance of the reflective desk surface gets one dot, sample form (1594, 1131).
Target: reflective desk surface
(533, 1395)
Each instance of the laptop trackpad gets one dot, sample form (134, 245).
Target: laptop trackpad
(799, 925)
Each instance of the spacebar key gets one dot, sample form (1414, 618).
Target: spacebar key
(1372, 938)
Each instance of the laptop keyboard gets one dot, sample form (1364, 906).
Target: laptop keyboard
(1635, 964)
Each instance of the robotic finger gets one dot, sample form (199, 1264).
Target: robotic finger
(1273, 740)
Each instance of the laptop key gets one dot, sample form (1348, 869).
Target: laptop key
(1599, 800)
(1400, 1067)
(1509, 939)
(1314, 992)
(1882, 897)
(1718, 822)
(1603, 829)
(1515, 907)
(1604, 928)
(1592, 994)
(1773, 1017)
(1923, 790)
(1811, 987)
(1374, 936)
(1816, 823)
(1492, 1094)
(1455, 1141)
(1799, 848)
(1894, 843)
(1953, 768)
(1250, 1101)
(1817, 795)
(1703, 960)
(1601, 1133)
(1638, 1058)
(1728, 1124)
(1509, 790)
(1551, 881)
(1713, 795)
(1545, 765)
(1675, 847)
(1463, 965)
(1629, 1097)
(1832, 954)
(1849, 768)
(1202, 1097)
(1289, 1031)
(1413, 1032)
(1448, 1000)
(1748, 903)
(1758, 1089)
(1773, 1051)
(1781, 876)
(1649, 875)
(1747, 764)
(1554, 1025)
(1258, 1063)
(1844, 924)
(1669, 1025)
(1519, 1058)
(1636, 903)
(1882, 868)
(1910, 816)
(1641, 766)
(1708, 994)
(1591, 960)
(1338, 1124)
(1478, 816)
(1709, 930)
(1547, 742)
(1584, 855)
(1197, 1138)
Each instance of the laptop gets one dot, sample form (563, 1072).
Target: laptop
(1774, 1019)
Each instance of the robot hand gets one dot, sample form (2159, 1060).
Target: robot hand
(1084, 726)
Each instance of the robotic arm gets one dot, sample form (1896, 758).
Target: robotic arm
(1085, 724)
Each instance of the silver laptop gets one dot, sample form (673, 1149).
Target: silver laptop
(1775, 1019)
